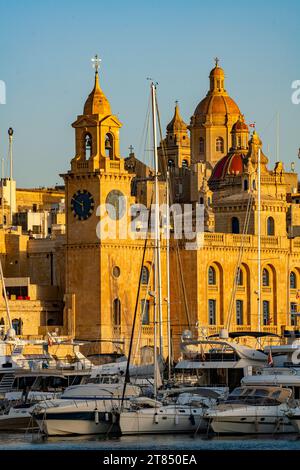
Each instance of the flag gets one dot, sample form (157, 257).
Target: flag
(253, 125)
(270, 359)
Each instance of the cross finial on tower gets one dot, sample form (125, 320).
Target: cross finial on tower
(217, 60)
(96, 62)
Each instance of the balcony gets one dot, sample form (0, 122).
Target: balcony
(147, 330)
(270, 241)
(213, 238)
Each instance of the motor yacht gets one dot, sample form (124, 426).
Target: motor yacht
(83, 409)
(252, 410)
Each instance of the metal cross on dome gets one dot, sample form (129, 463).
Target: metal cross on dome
(217, 60)
(96, 62)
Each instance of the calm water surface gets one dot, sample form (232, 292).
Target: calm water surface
(180, 442)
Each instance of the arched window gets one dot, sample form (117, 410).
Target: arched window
(17, 325)
(201, 145)
(265, 278)
(270, 226)
(145, 312)
(88, 144)
(235, 225)
(245, 185)
(185, 164)
(171, 163)
(293, 280)
(109, 146)
(145, 275)
(239, 141)
(201, 201)
(117, 312)
(211, 276)
(220, 144)
(239, 277)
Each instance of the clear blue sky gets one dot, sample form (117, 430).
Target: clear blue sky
(45, 52)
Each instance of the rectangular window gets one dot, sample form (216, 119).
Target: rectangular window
(145, 312)
(239, 312)
(266, 312)
(36, 229)
(293, 311)
(212, 311)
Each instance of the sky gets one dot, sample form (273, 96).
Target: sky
(45, 61)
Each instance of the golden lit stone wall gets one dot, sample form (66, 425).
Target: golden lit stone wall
(43, 198)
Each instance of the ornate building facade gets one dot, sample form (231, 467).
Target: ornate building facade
(213, 162)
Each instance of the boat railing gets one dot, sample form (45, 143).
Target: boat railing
(50, 364)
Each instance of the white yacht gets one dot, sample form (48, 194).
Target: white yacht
(15, 413)
(216, 361)
(283, 370)
(293, 414)
(252, 410)
(17, 418)
(83, 409)
(179, 410)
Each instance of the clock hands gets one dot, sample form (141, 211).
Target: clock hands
(85, 204)
(78, 202)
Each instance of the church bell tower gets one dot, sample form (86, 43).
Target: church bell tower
(97, 178)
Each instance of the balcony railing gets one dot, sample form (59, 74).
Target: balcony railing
(271, 241)
(147, 330)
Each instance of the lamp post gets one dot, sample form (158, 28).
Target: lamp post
(10, 138)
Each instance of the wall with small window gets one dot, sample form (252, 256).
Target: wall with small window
(269, 295)
(215, 312)
(294, 295)
(270, 226)
(220, 144)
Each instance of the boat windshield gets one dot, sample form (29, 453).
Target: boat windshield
(254, 396)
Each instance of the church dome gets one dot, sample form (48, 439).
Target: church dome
(97, 103)
(240, 125)
(217, 72)
(217, 105)
(231, 164)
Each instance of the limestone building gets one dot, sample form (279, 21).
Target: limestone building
(93, 275)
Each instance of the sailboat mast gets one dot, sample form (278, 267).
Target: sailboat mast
(259, 241)
(5, 296)
(10, 137)
(157, 222)
(168, 277)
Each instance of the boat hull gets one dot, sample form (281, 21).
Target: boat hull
(148, 422)
(76, 423)
(17, 424)
(251, 425)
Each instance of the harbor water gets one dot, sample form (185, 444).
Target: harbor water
(155, 442)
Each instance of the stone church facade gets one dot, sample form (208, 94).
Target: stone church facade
(213, 161)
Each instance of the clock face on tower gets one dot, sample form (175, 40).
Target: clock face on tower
(82, 204)
(115, 204)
